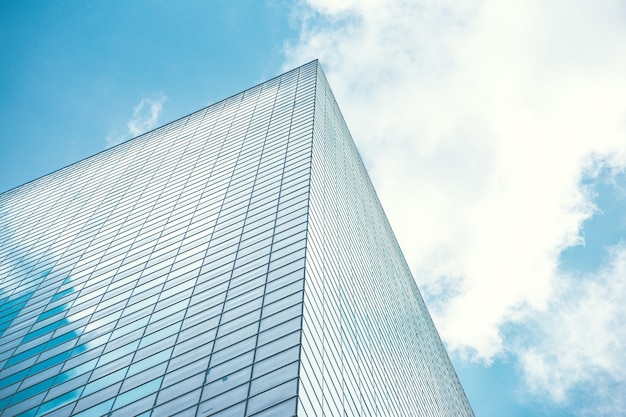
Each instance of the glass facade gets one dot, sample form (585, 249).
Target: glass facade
(369, 347)
(235, 262)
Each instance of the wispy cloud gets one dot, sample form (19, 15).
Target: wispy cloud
(145, 117)
(477, 121)
(579, 346)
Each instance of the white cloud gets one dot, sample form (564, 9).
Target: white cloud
(145, 117)
(582, 342)
(477, 121)
(113, 138)
(146, 114)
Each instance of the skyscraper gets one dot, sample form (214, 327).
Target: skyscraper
(233, 262)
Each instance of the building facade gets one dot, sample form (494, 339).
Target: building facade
(235, 262)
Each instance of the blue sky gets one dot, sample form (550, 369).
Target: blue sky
(495, 133)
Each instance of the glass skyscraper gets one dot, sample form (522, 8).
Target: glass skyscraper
(235, 262)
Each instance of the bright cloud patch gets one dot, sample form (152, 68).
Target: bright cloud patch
(477, 122)
(578, 347)
(145, 117)
(581, 344)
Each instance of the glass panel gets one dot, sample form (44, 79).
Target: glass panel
(136, 393)
(272, 396)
